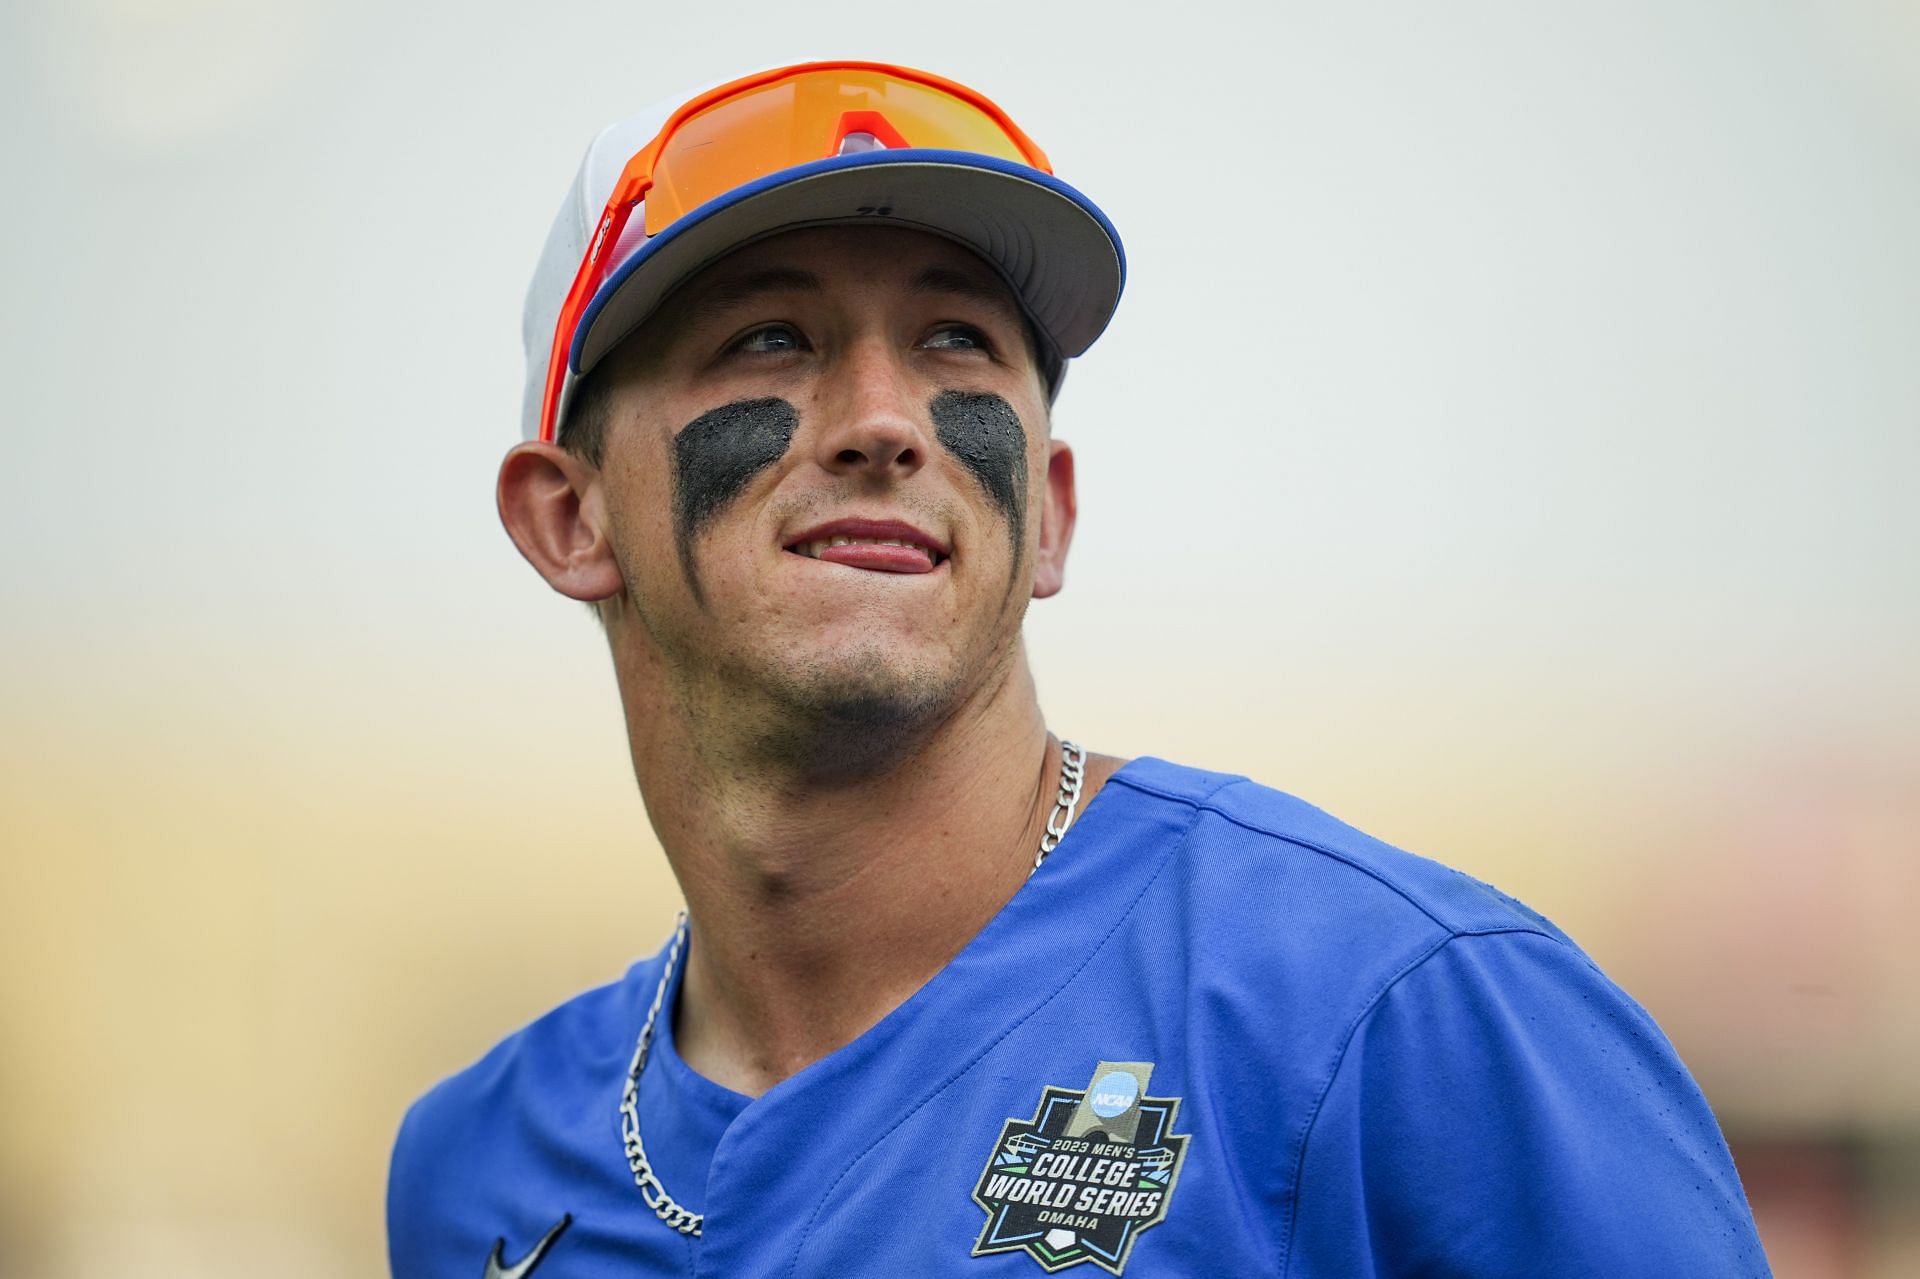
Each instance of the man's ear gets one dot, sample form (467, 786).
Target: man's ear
(1057, 510)
(552, 506)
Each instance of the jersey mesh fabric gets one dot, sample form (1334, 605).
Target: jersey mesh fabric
(1384, 1068)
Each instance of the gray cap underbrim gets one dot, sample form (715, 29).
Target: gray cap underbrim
(1056, 257)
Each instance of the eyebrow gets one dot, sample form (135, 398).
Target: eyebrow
(949, 281)
(966, 284)
(729, 293)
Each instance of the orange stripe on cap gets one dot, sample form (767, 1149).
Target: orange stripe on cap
(745, 154)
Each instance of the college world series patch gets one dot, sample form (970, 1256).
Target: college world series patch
(1082, 1178)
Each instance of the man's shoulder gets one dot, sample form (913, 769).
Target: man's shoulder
(1271, 841)
(545, 1068)
(570, 1044)
(504, 1147)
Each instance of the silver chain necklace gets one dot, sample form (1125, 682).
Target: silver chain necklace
(1073, 764)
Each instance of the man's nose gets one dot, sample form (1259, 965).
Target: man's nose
(870, 415)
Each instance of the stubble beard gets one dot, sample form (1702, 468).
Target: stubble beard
(844, 717)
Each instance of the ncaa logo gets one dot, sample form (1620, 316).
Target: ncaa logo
(1113, 1094)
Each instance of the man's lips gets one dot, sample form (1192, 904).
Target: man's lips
(882, 546)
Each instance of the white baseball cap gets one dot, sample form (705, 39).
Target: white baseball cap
(1056, 250)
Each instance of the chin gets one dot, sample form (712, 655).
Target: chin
(847, 710)
(867, 690)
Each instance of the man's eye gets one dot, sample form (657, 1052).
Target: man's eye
(771, 339)
(957, 337)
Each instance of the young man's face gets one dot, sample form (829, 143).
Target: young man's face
(828, 478)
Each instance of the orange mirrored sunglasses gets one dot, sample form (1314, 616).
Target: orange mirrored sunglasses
(759, 125)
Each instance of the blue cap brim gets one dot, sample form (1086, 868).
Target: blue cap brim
(1058, 253)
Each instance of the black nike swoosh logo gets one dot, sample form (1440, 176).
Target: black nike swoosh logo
(521, 1268)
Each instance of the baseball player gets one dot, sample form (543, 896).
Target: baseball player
(953, 996)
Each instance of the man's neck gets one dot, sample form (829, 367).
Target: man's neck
(820, 906)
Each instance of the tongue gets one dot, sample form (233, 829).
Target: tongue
(880, 559)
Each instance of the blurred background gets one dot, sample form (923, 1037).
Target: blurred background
(1508, 442)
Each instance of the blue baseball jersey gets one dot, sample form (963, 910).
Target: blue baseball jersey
(1219, 1033)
